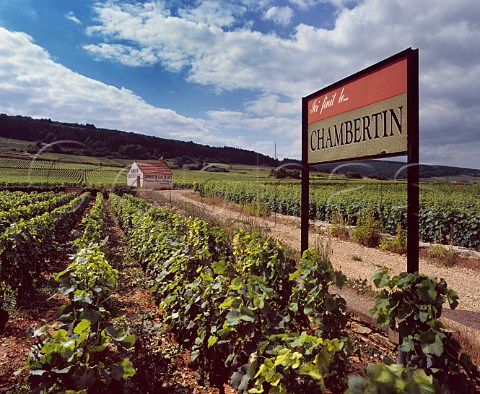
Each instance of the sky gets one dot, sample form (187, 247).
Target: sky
(233, 72)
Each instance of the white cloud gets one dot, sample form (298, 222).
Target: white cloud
(216, 46)
(31, 83)
(251, 124)
(457, 154)
(280, 15)
(212, 56)
(71, 16)
(213, 13)
(258, 132)
(269, 104)
(306, 4)
(312, 57)
(303, 4)
(123, 53)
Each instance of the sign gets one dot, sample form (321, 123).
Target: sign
(365, 116)
(371, 114)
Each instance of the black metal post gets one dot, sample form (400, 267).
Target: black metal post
(413, 170)
(305, 179)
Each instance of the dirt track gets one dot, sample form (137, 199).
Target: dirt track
(356, 261)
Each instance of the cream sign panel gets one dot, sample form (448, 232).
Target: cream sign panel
(363, 118)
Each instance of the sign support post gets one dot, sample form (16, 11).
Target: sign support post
(413, 168)
(305, 203)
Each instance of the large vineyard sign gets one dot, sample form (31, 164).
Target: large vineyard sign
(371, 114)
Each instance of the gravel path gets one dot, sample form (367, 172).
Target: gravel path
(354, 260)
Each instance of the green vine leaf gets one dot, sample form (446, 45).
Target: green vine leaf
(435, 348)
(381, 278)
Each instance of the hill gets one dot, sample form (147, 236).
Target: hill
(120, 144)
(384, 169)
(116, 144)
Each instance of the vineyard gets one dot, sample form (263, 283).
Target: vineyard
(18, 170)
(248, 315)
(449, 213)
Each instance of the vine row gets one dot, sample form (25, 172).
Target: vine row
(240, 303)
(76, 354)
(27, 244)
(448, 213)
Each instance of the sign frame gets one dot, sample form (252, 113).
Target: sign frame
(412, 149)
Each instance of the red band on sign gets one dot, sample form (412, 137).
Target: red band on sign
(388, 82)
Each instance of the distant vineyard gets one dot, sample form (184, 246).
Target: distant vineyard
(22, 171)
(448, 213)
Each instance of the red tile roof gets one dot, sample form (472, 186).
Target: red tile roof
(157, 168)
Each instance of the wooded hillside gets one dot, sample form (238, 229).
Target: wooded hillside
(93, 141)
(120, 144)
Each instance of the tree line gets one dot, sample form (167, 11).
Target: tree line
(98, 142)
(119, 144)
